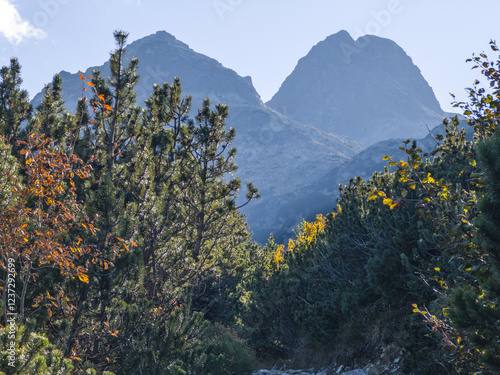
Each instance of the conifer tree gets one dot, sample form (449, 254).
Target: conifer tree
(51, 116)
(479, 315)
(14, 102)
(113, 196)
(213, 226)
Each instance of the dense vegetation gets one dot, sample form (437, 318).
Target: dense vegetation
(131, 256)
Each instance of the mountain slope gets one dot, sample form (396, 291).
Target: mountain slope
(368, 89)
(278, 154)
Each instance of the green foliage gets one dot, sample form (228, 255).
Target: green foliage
(409, 258)
(30, 353)
(413, 237)
(157, 209)
(15, 107)
(476, 307)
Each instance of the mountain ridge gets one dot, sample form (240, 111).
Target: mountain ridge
(278, 154)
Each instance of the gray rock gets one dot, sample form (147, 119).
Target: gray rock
(368, 89)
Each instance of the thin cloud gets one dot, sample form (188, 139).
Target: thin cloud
(13, 27)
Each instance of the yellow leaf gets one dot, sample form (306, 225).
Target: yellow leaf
(381, 193)
(412, 186)
(387, 201)
(386, 158)
(437, 269)
(83, 278)
(373, 197)
(339, 208)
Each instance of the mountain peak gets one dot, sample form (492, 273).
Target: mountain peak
(160, 38)
(339, 36)
(368, 89)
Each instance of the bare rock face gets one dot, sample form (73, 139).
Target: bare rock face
(367, 89)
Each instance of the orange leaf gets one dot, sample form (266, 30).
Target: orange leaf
(90, 84)
(81, 76)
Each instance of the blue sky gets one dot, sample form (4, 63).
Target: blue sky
(260, 38)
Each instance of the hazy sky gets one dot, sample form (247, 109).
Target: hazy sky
(260, 38)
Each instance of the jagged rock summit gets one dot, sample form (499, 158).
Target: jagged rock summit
(368, 89)
(161, 58)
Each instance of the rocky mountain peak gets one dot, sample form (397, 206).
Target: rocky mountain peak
(368, 89)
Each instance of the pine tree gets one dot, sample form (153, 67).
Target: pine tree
(51, 116)
(14, 102)
(113, 196)
(479, 315)
(211, 228)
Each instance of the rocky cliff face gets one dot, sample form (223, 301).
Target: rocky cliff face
(368, 89)
(278, 154)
